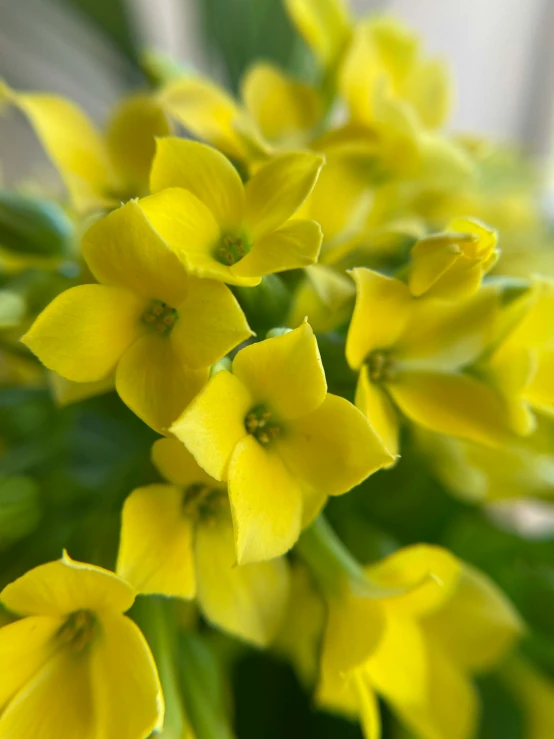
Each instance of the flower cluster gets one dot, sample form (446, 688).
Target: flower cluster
(301, 292)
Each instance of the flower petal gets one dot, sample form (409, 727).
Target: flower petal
(382, 310)
(324, 24)
(333, 448)
(152, 381)
(73, 144)
(455, 405)
(25, 647)
(156, 545)
(211, 323)
(176, 464)
(128, 700)
(206, 110)
(131, 139)
(282, 107)
(374, 403)
(82, 334)
(294, 245)
(285, 372)
(266, 503)
(213, 424)
(370, 715)
(278, 189)
(123, 249)
(202, 170)
(249, 601)
(56, 704)
(64, 586)
(478, 625)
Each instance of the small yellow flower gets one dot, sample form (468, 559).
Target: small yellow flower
(75, 666)
(224, 230)
(147, 322)
(451, 265)
(283, 444)
(99, 171)
(177, 540)
(412, 353)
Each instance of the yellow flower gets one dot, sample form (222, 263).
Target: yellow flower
(411, 353)
(99, 170)
(177, 540)
(148, 322)
(325, 26)
(75, 666)
(411, 629)
(451, 265)
(224, 230)
(283, 444)
(325, 296)
(522, 364)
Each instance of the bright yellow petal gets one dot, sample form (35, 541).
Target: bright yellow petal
(249, 601)
(266, 503)
(131, 139)
(370, 716)
(123, 249)
(152, 381)
(452, 404)
(156, 545)
(283, 108)
(324, 24)
(128, 700)
(176, 464)
(278, 189)
(210, 324)
(57, 704)
(429, 262)
(451, 707)
(333, 448)
(449, 335)
(284, 372)
(66, 392)
(374, 403)
(478, 625)
(429, 90)
(354, 627)
(205, 172)
(540, 391)
(191, 231)
(213, 424)
(73, 144)
(382, 310)
(398, 666)
(430, 573)
(64, 586)
(25, 647)
(206, 110)
(292, 246)
(84, 332)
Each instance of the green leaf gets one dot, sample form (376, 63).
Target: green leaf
(33, 227)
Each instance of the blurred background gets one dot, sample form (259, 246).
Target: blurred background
(501, 53)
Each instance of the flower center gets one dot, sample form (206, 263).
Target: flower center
(203, 501)
(261, 424)
(79, 630)
(231, 249)
(380, 366)
(160, 316)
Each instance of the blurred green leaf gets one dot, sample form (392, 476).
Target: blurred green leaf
(19, 508)
(33, 227)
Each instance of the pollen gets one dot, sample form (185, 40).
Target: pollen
(261, 424)
(380, 367)
(231, 249)
(160, 316)
(79, 630)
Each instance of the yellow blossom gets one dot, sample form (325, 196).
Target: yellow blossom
(99, 170)
(411, 354)
(147, 323)
(281, 441)
(224, 230)
(451, 265)
(177, 540)
(74, 665)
